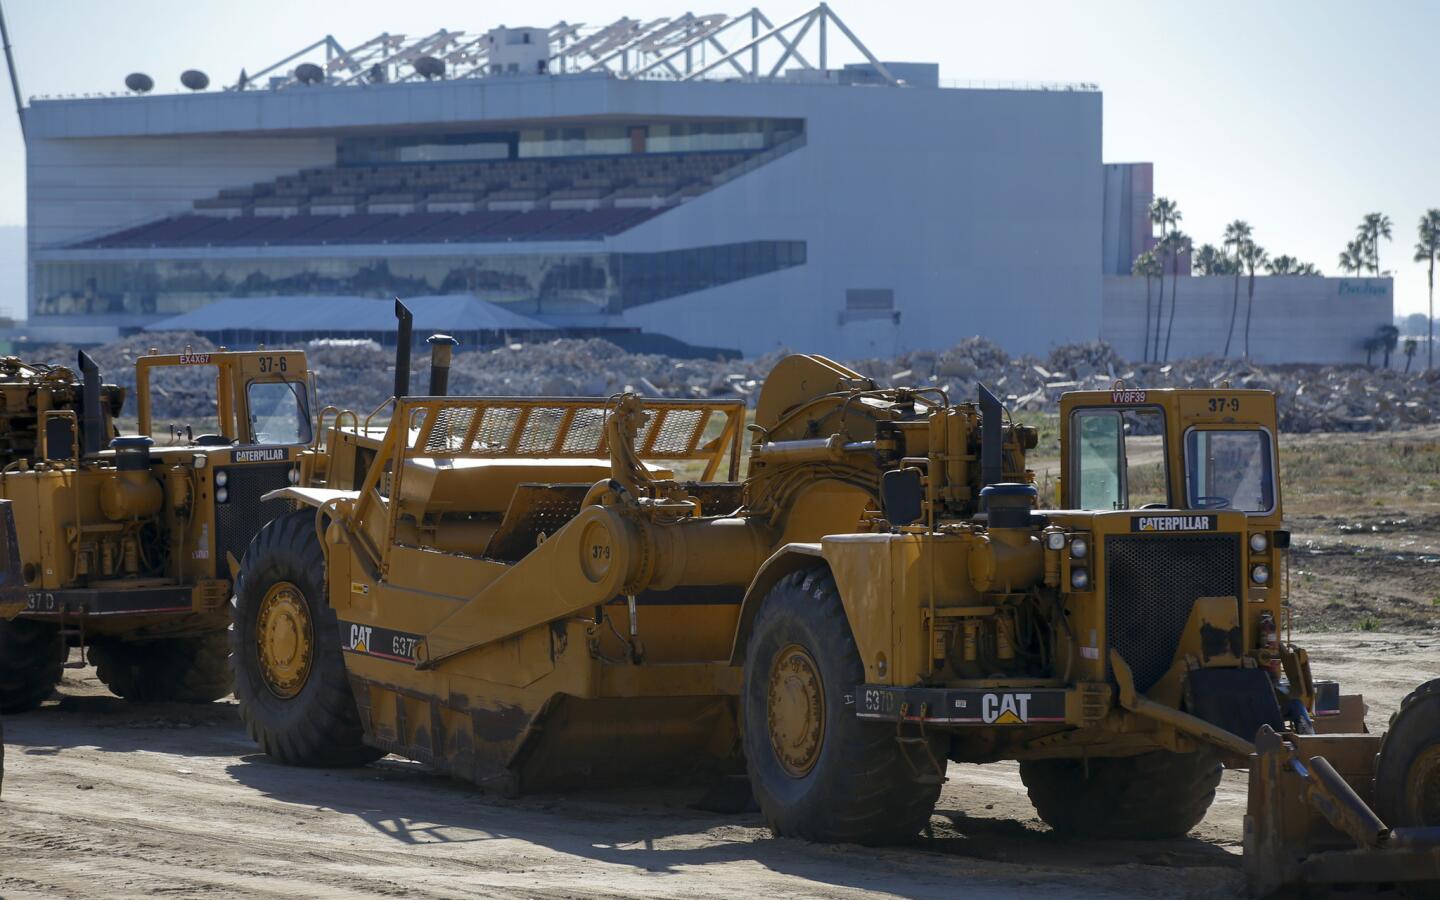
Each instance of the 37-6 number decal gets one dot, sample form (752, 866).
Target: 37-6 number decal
(270, 364)
(1224, 404)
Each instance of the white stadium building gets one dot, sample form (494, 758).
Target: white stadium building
(708, 179)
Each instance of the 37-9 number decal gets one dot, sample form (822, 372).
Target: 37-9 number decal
(1224, 404)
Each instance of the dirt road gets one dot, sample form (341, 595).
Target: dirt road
(103, 798)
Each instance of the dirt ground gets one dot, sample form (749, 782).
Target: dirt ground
(105, 798)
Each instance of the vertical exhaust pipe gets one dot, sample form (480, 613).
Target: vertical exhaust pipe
(442, 346)
(402, 348)
(92, 423)
(991, 439)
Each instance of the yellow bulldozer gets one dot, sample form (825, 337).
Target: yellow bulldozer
(125, 541)
(532, 593)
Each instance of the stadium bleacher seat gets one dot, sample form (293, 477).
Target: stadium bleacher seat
(581, 198)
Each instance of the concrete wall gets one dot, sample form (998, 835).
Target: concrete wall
(1294, 319)
(1129, 188)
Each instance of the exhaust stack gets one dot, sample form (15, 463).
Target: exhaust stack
(402, 348)
(92, 423)
(441, 348)
(991, 438)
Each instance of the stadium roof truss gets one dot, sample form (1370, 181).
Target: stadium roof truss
(689, 47)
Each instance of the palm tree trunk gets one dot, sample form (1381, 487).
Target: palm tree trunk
(1146, 354)
(1430, 322)
(1159, 313)
(1234, 311)
(1249, 309)
(1174, 284)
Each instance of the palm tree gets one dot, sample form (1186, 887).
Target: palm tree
(1411, 345)
(1426, 250)
(1179, 243)
(1283, 265)
(1352, 258)
(1209, 261)
(1371, 344)
(1165, 213)
(1388, 337)
(1146, 264)
(1237, 233)
(1309, 269)
(1253, 256)
(1371, 229)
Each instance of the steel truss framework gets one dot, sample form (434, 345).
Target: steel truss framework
(747, 47)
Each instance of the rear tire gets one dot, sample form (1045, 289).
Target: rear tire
(184, 670)
(841, 778)
(32, 657)
(1151, 796)
(311, 719)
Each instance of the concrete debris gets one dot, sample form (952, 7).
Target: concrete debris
(357, 374)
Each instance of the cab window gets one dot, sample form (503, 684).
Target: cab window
(1120, 459)
(185, 405)
(1230, 469)
(278, 412)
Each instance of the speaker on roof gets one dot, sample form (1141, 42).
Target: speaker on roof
(139, 82)
(429, 67)
(309, 73)
(194, 79)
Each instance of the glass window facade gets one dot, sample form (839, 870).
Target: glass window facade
(587, 140)
(537, 283)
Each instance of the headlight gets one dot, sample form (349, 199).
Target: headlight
(221, 495)
(222, 478)
(1258, 544)
(1055, 540)
(1079, 579)
(294, 476)
(1260, 574)
(1079, 547)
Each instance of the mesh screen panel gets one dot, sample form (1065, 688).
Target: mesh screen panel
(1152, 583)
(243, 514)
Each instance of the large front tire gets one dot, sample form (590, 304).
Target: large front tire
(295, 697)
(1150, 796)
(185, 670)
(819, 772)
(32, 658)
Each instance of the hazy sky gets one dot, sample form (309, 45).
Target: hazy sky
(1299, 117)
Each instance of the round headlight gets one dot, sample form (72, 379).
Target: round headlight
(221, 495)
(1079, 547)
(1260, 574)
(294, 476)
(1258, 544)
(1055, 540)
(1079, 579)
(222, 478)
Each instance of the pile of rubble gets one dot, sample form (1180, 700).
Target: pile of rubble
(355, 374)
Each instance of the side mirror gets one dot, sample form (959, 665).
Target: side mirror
(902, 495)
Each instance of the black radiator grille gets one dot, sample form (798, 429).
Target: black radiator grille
(1152, 583)
(243, 513)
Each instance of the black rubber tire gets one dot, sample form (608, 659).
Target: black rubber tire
(1151, 796)
(32, 657)
(1414, 728)
(320, 725)
(861, 788)
(192, 669)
